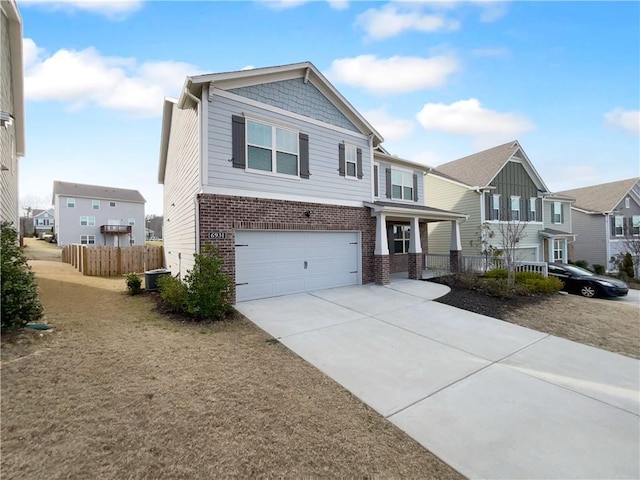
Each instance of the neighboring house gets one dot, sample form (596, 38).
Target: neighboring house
(95, 215)
(43, 221)
(605, 216)
(500, 186)
(12, 130)
(278, 171)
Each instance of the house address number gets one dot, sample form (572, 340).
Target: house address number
(217, 235)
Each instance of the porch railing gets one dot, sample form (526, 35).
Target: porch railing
(441, 264)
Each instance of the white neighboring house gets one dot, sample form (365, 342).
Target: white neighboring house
(12, 138)
(96, 215)
(43, 221)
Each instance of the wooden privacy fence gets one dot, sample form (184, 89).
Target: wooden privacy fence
(104, 261)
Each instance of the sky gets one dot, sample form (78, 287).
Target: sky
(439, 80)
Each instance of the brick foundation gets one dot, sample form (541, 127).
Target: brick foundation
(415, 265)
(222, 213)
(381, 269)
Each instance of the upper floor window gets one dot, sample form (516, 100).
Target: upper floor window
(402, 185)
(95, 204)
(495, 206)
(515, 208)
(71, 202)
(556, 212)
(350, 160)
(88, 221)
(401, 236)
(271, 149)
(112, 204)
(533, 211)
(132, 221)
(627, 202)
(635, 225)
(618, 226)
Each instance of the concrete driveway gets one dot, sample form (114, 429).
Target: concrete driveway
(492, 399)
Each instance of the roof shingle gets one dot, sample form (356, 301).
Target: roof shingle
(603, 197)
(95, 191)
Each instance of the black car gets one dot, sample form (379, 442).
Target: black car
(583, 282)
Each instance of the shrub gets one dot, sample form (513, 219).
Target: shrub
(19, 303)
(625, 266)
(496, 273)
(173, 292)
(526, 283)
(598, 269)
(580, 263)
(208, 287)
(134, 283)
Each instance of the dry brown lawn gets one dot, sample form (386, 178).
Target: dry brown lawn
(118, 391)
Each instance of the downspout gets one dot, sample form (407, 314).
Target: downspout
(607, 241)
(373, 189)
(195, 198)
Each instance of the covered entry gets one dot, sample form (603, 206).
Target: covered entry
(272, 263)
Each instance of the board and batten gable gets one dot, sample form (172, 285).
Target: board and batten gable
(447, 195)
(181, 185)
(591, 238)
(513, 180)
(325, 184)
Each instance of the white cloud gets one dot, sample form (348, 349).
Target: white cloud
(470, 118)
(114, 9)
(391, 20)
(427, 158)
(393, 75)
(390, 128)
(86, 77)
(628, 120)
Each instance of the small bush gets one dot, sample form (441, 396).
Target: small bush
(500, 273)
(494, 283)
(208, 287)
(580, 263)
(598, 269)
(625, 266)
(134, 283)
(19, 302)
(173, 292)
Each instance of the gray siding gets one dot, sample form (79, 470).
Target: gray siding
(627, 213)
(67, 220)
(547, 212)
(456, 198)
(9, 177)
(324, 182)
(590, 243)
(382, 182)
(296, 96)
(182, 183)
(513, 180)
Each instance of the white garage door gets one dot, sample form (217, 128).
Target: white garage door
(279, 263)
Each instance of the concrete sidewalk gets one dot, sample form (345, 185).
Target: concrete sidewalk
(492, 399)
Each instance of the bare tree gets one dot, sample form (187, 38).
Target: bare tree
(511, 232)
(631, 246)
(488, 251)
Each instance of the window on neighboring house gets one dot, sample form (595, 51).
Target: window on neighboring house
(557, 212)
(533, 211)
(95, 204)
(87, 239)
(88, 221)
(132, 240)
(495, 206)
(618, 226)
(635, 225)
(112, 204)
(402, 185)
(515, 208)
(71, 202)
(271, 149)
(132, 221)
(401, 236)
(351, 170)
(627, 202)
(558, 250)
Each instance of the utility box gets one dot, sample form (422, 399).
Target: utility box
(151, 278)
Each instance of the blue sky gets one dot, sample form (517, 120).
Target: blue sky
(439, 80)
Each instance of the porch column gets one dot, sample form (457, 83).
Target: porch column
(381, 252)
(455, 249)
(415, 251)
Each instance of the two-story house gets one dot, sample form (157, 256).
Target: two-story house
(275, 168)
(43, 221)
(606, 217)
(96, 215)
(12, 130)
(496, 187)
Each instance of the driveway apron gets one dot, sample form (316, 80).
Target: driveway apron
(492, 399)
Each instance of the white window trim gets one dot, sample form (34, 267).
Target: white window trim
(91, 221)
(519, 210)
(627, 202)
(348, 146)
(131, 221)
(533, 208)
(403, 171)
(553, 213)
(615, 225)
(635, 224)
(87, 238)
(71, 202)
(95, 204)
(496, 207)
(561, 249)
(406, 236)
(274, 165)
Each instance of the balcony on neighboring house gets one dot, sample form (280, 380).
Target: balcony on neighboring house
(115, 229)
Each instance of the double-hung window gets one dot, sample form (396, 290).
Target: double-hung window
(495, 206)
(635, 225)
(515, 208)
(271, 149)
(95, 204)
(558, 250)
(618, 226)
(557, 212)
(112, 204)
(533, 211)
(131, 221)
(401, 185)
(627, 202)
(88, 221)
(87, 239)
(350, 161)
(401, 236)
(71, 202)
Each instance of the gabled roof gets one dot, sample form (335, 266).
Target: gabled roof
(79, 190)
(479, 169)
(17, 76)
(603, 197)
(383, 155)
(37, 212)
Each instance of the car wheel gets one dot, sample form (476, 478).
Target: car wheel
(588, 291)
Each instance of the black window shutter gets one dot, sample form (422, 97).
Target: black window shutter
(341, 159)
(613, 226)
(388, 183)
(415, 187)
(303, 140)
(375, 180)
(489, 205)
(237, 141)
(359, 160)
(561, 213)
